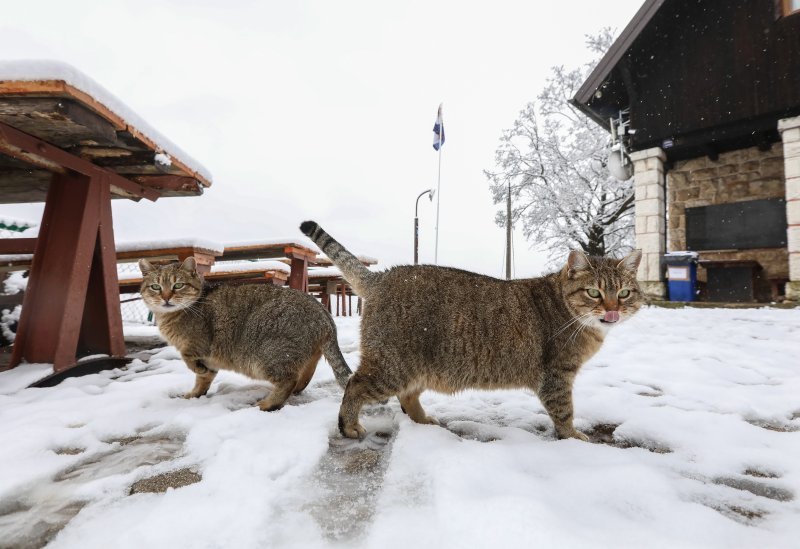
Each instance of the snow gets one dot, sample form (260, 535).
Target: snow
(324, 272)
(15, 282)
(241, 266)
(33, 70)
(702, 403)
(298, 240)
(166, 243)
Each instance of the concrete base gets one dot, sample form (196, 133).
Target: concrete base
(793, 290)
(653, 289)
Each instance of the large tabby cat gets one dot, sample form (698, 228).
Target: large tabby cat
(261, 331)
(426, 327)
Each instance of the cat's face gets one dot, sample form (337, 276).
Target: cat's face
(602, 291)
(170, 288)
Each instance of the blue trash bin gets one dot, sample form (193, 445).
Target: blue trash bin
(681, 275)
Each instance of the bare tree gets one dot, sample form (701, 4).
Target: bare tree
(554, 160)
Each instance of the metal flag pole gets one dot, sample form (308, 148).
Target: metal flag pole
(508, 232)
(438, 186)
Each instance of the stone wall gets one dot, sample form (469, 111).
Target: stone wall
(790, 134)
(736, 176)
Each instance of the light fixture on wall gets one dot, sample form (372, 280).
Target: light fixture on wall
(619, 164)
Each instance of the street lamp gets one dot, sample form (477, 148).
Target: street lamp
(416, 223)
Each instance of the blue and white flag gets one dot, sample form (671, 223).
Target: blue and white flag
(438, 130)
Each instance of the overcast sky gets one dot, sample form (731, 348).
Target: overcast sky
(322, 110)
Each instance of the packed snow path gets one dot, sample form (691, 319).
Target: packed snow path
(694, 415)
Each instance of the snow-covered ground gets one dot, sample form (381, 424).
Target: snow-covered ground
(695, 415)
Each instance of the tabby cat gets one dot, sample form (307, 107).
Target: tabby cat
(261, 331)
(427, 327)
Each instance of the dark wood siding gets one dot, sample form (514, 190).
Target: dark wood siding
(702, 72)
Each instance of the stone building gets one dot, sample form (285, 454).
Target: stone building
(711, 92)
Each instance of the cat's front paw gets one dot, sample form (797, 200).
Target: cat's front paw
(355, 431)
(580, 436)
(574, 433)
(193, 394)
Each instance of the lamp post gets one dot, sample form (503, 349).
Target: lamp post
(416, 223)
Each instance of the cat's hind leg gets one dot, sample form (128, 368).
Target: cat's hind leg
(409, 402)
(368, 384)
(277, 398)
(306, 373)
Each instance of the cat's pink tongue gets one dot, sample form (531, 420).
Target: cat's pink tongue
(611, 316)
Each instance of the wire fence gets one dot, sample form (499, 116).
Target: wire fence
(133, 309)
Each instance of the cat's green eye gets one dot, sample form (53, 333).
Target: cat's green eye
(178, 285)
(155, 287)
(593, 292)
(624, 293)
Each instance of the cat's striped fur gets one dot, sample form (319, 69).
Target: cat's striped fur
(427, 327)
(261, 331)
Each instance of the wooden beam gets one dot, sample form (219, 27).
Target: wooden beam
(62, 122)
(17, 245)
(169, 183)
(75, 246)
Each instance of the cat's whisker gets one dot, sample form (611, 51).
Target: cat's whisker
(578, 318)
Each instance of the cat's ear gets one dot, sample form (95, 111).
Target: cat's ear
(146, 267)
(576, 262)
(189, 265)
(631, 261)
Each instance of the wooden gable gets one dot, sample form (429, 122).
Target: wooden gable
(700, 77)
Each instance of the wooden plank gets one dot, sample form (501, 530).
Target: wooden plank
(18, 144)
(59, 88)
(17, 245)
(168, 185)
(62, 122)
(23, 185)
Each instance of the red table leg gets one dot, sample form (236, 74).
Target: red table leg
(298, 279)
(71, 305)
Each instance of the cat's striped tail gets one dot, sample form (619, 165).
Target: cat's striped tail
(333, 355)
(352, 269)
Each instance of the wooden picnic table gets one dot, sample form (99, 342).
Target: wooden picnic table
(298, 254)
(66, 141)
(249, 272)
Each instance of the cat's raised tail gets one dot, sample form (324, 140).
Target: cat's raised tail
(352, 269)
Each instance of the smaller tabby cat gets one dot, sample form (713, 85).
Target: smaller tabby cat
(261, 331)
(426, 327)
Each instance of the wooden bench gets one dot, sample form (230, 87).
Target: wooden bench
(244, 272)
(298, 253)
(325, 282)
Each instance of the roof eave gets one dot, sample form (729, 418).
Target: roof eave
(616, 52)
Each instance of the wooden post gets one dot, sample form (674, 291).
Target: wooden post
(298, 279)
(326, 300)
(204, 261)
(71, 306)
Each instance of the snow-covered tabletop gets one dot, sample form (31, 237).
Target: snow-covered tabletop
(58, 71)
(695, 415)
